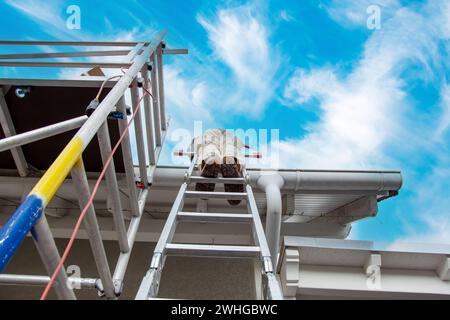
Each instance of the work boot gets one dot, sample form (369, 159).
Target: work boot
(232, 170)
(208, 171)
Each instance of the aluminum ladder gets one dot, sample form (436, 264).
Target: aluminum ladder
(150, 284)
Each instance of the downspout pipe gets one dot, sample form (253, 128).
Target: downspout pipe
(272, 183)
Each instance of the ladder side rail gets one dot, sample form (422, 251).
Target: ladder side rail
(150, 283)
(134, 52)
(260, 235)
(271, 285)
(90, 222)
(170, 225)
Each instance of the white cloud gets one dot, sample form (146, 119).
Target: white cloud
(240, 40)
(444, 122)
(436, 230)
(188, 98)
(135, 34)
(366, 111)
(302, 86)
(51, 17)
(367, 118)
(357, 117)
(286, 16)
(431, 205)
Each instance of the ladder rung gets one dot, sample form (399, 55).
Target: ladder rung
(216, 217)
(216, 195)
(216, 180)
(212, 250)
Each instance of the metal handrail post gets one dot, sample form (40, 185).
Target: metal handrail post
(50, 257)
(155, 104)
(128, 160)
(139, 134)
(162, 103)
(124, 257)
(113, 187)
(92, 228)
(148, 118)
(9, 130)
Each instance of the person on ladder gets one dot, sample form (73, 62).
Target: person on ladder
(219, 151)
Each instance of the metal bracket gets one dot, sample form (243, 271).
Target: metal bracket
(156, 261)
(247, 179)
(267, 264)
(154, 287)
(443, 270)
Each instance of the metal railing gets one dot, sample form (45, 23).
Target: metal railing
(139, 58)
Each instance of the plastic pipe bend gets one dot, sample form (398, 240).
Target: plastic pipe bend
(271, 184)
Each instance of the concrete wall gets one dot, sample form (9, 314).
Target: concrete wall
(183, 277)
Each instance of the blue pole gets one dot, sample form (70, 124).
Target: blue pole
(17, 227)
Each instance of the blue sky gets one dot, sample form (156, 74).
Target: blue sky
(343, 96)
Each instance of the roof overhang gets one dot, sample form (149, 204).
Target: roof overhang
(326, 268)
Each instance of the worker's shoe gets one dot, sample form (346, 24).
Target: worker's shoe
(232, 170)
(208, 171)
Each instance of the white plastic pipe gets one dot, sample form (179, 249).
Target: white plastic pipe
(304, 180)
(271, 183)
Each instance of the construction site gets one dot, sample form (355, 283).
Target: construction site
(88, 212)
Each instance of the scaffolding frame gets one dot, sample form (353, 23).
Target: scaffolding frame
(138, 58)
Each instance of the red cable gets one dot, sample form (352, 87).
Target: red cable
(90, 200)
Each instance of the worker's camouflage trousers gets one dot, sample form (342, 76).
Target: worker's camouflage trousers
(227, 171)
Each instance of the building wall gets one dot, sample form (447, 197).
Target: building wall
(183, 277)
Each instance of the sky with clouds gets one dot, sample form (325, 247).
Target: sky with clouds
(342, 95)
